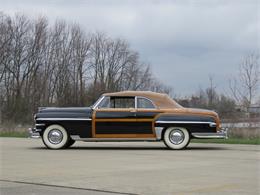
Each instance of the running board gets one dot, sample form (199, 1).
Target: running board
(77, 138)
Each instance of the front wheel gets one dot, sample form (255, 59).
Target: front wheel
(176, 138)
(55, 137)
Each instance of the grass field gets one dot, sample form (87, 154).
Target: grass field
(231, 140)
(14, 134)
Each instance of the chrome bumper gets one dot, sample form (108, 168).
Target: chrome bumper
(221, 134)
(33, 133)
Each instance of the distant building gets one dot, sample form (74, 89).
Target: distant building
(254, 109)
(241, 108)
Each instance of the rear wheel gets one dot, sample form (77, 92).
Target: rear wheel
(55, 137)
(70, 143)
(176, 138)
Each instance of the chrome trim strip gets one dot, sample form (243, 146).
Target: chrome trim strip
(64, 119)
(41, 124)
(222, 134)
(77, 138)
(158, 132)
(213, 125)
(188, 122)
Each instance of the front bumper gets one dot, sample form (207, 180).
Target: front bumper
(220, 134)
(34, 133)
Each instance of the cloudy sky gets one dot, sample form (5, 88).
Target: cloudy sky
(183, 41)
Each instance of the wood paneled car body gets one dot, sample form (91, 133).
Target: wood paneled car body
(126, 116)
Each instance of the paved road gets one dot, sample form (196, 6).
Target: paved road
(128, 168)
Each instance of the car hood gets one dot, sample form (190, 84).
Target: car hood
(72, 112)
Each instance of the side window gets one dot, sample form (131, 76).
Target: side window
(122, 102)
(144, 103)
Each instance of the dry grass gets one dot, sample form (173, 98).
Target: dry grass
(246, 133)
(11, 130)
(14, 128)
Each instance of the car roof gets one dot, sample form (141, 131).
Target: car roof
(161, 100)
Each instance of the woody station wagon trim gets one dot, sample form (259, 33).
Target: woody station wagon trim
(126, 116)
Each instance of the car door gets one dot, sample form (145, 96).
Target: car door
(116, 117)
(146, 112)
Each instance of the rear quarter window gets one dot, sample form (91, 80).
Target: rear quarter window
(144, 103)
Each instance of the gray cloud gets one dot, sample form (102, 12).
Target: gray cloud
(184, 41)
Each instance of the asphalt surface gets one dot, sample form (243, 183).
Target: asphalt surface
(28, 168)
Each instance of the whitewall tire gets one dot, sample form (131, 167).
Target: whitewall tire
(176, 138)
(55, 137)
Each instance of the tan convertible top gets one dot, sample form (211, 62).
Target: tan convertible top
(161, 100)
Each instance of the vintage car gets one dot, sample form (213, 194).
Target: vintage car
(126, 116)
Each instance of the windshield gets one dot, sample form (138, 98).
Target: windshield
(97, 102)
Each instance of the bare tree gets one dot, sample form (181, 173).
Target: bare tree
(245, 88)
(211, 92)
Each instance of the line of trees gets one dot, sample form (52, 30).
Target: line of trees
(61, 65)
(244, 91)
(209, 98)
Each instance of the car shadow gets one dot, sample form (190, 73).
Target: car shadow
(134, 148)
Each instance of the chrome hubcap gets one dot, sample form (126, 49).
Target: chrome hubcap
(176, 136)
(55, 136)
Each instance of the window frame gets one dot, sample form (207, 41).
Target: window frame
(141, 97)
(95, 106)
